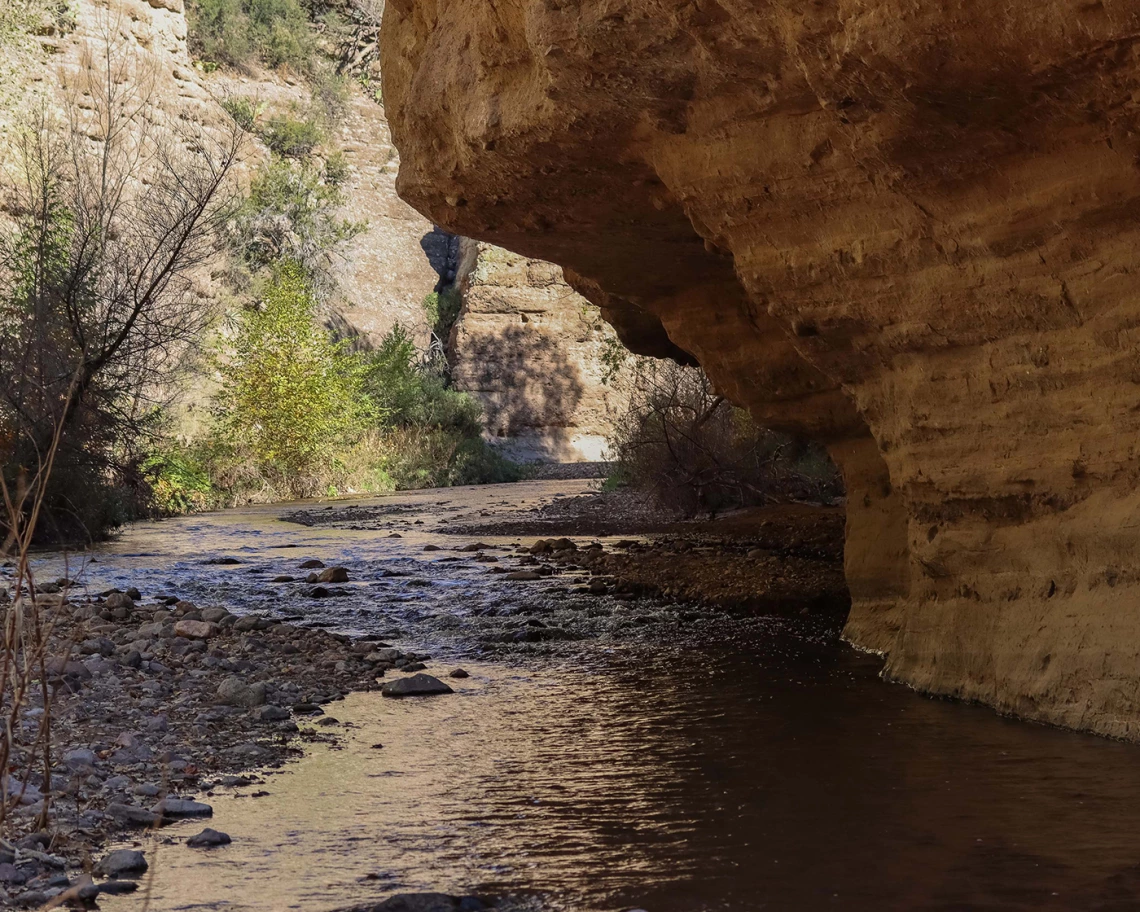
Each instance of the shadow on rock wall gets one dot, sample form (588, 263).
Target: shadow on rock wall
(525, 379)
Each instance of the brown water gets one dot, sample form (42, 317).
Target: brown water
(649, 760)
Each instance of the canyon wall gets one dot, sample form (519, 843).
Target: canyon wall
(906, 229)
(382, 275)
(530, 349)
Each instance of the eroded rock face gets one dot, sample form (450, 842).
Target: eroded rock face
(531, 350)
(906, 229)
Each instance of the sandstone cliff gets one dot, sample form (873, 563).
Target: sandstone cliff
(385, 272)
(904, 228)
(529, 348)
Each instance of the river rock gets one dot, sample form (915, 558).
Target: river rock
(208, 839)
(118, 600)
(121, 861)
(214, 615)
(233, 691)
(272, 714)
(312, 565)
(131, 815)
(79, 759)
(10, 874)
(525, 576)
(418, 685)
(179, 808)
(195, 630)
(459, 673)
(117, 887)
(333, 575)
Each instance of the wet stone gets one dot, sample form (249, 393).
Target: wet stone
(272, 714)
(178, 808)
(208, 839)
(117, 887)
(416, 686)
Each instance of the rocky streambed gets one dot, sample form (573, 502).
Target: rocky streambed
(614, 738)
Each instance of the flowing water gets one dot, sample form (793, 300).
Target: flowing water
(655, 757)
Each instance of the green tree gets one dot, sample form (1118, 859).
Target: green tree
(291, 396)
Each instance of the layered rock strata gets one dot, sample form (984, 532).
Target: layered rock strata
(907, 229)
(530, 349)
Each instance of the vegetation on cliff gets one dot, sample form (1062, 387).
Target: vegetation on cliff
(135, 267)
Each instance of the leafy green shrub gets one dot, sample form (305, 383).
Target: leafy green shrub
(291, 396)
(179, 482)
(408, 392)
(291, 136)
(244, 111)
(239, 32)
(442, 310)
(291, 214)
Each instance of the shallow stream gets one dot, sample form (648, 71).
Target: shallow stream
(653, 757)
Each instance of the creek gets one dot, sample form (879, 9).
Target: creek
(649, 755)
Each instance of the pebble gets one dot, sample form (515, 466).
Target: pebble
(459, 673)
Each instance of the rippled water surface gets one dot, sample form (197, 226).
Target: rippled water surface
(651, 759)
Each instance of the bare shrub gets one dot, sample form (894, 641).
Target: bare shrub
(692, 451)
(113, 218)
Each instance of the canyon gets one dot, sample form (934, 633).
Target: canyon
(903, 229)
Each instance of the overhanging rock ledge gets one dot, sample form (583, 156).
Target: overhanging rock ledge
(907, 229)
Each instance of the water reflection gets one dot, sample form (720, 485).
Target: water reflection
(724, 765)
(778, 775)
